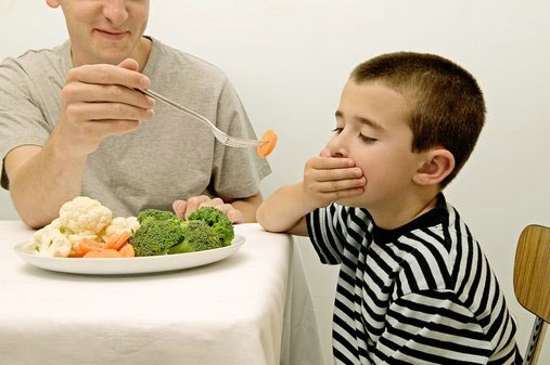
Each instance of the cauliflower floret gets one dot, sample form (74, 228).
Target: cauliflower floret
(77, 237)
(56, 224)
(49, 241)
(84, 215)
(119, 225)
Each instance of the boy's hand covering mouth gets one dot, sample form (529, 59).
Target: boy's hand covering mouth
(328, 178)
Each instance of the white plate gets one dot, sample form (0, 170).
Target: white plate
(134, 265)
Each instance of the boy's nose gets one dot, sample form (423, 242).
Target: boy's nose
(336, 147)
(116, 11)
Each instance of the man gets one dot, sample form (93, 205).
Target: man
(72, 123)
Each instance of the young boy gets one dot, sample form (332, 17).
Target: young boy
(414, 286)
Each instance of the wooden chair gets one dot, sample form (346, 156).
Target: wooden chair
(532, 283)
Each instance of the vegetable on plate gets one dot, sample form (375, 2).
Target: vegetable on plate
(87, 229)
(163, 232)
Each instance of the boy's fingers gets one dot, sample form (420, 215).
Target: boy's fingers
(330, 162)
(335, 174)
(341, 185)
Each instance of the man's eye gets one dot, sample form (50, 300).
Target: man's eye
(366, 139)
(338, 130)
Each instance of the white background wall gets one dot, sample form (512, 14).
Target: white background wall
(290, 58)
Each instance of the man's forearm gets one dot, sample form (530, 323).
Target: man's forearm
(248, 207)
(41, 181)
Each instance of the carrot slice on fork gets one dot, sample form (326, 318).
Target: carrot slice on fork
(270, 137)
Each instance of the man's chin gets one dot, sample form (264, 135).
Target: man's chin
(111, 53)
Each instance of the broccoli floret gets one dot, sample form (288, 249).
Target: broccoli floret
(219, 222)
(146, 216)
(157, 237)
(198, 236)
(162, 232)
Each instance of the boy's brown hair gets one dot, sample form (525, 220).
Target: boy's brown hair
(448, 109)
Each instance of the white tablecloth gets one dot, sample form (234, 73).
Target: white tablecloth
(251, 308)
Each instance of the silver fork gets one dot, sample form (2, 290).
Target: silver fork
(221, 136)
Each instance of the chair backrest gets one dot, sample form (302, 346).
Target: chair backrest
(532, 282)
(532, 271)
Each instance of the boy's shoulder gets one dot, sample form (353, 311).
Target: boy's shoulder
(428, 253)
(426, 248)
(442, 255)
(429, 250)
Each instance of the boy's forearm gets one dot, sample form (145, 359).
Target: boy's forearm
(284, 211)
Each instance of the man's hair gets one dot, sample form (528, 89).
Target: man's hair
(448, 108)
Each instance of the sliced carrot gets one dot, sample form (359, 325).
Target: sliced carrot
(111, 241)
(270, 137)
(127, 250)
(86, 245)
(121, 240)
(117, 240)
(103, 254)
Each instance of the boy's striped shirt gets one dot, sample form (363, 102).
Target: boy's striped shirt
(421, 294)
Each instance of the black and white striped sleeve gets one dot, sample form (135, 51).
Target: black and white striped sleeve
(432, 327)
(326, 231)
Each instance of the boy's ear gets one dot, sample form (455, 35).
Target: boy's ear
(437, 165)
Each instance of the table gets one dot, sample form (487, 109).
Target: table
(251, 308)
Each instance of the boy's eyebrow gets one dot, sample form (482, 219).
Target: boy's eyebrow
(361, 120)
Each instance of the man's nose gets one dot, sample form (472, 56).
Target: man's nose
(116, 11)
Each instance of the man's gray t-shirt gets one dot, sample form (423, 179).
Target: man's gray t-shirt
(171, 157)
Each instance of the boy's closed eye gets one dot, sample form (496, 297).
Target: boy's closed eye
(363, 137)
(367, 139)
